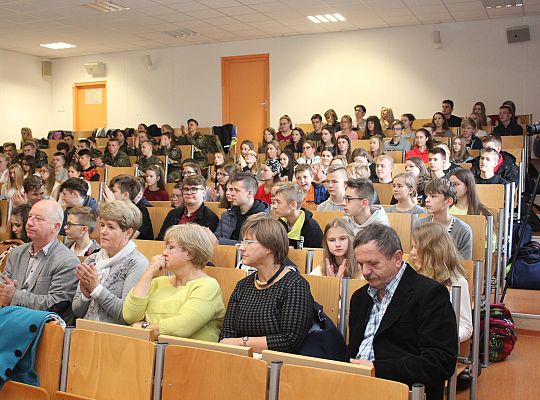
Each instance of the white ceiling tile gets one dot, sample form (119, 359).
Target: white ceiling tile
(188, 6)
(156, 11)
(203, 14)
(235, 11)
(252, 18)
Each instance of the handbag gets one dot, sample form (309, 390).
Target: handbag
(525, 273)
(324, 340)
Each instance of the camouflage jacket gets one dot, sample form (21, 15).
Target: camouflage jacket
(121, 160)
(203, 144)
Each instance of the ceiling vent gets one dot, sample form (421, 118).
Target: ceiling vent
(181, 33)
(105, 6)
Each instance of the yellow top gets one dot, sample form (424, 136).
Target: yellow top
(194, 310)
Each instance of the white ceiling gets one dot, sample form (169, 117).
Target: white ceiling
(25, 24)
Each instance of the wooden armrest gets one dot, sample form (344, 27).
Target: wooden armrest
(123, 330)
(201, 344)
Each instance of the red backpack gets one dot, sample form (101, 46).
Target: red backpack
(502, 334)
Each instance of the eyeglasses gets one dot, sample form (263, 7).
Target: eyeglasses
(70, 224)
(349, 198)
(246, 243)
(191, 190)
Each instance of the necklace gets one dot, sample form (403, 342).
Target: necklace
(269, 281)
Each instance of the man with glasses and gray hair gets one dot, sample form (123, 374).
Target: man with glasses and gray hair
(358, 205)
(41, 274)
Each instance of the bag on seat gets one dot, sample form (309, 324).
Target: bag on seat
(526, 271)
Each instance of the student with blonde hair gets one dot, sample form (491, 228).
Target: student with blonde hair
(338, 252)
(14, 182)
(434, 255)
(387, 116)
(404, 191)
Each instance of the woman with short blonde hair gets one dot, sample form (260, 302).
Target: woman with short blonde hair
(186, 303)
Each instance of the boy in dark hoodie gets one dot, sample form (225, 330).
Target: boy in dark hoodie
(243, 189)
(506, 167)
(302, 229)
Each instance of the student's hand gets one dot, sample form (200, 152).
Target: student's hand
(136, 142)
(19, 198)
(98, 161)
(162, 140)
(107, 195)
(342, 270)
(138, 197)
(183, 129)
(242, 162)
(329, 268)
(7, 290)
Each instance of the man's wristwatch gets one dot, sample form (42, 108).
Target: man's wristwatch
(145, 325)
(245, 340)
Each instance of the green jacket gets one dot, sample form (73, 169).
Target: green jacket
(121, 159)
(203, 144)
(143, 163)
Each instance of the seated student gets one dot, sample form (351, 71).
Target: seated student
(308, 155)
(440, 197)
(126, 187)
(147, 158)
(74, 195)
(52, 187)
(81, 222)
(313, 192)
(401, 323)
(460, 152)
(469, 129)
(488, 162)
(89, 144)
(298, 137)
(203, 143)
(193, 210)
(404, 191)
(273, 307)
(113, 157)
(506, 166)
(346, 128)
(383, 169)
(41, 274)
(336, 177)
(316, 122)
(10, 149)
(436, 157)
(448, 166)
(270, 175)
(358, 205)
(302, 229)
(507, 124)
(155, 181)
(423, 142)
(398, 141)
(166, 148)
(338, 252)
(89, 171)
(33, 191)
(28, 164)
(185, 303)
(30, 149)
(18, 236)
(434, 255)
(59, 164)
(467, 202)
(63, 147)
(106, 277)
(243, 188)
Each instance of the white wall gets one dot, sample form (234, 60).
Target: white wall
(394, 67)
(25, 96)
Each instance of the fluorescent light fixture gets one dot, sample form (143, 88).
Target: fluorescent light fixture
(105, 6)
(317, 19)
(181, 33)
(490, 4)
(58, 45)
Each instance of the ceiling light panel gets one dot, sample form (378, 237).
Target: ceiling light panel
(58, 45)
(105, 6)
(317, 19)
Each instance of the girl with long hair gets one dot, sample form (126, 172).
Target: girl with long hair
(327, 139)
(404, 191)
(387, 116)
(284, 132)
(223, 175)
(344, 147)
(434, 255)
(459, 152)
(286, 159)
(338, 251)
(480, 109)
(270, 175)
(468, 202)
(332, 119)
(373, 127)
(422, 143)
(376, 146)
(346, 128)
(416, 167)
(269, 135)
(407, 121)
(273, 150)
(442, 128)
(14, 183)
(52, 187)
(155, 184)
(298, 138)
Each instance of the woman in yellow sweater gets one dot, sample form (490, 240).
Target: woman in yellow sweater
(187, 303)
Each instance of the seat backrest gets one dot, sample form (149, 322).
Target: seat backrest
(122, 330)
(327, 384)
(402, 224)
(157, 216)
(19, 391)
(512, 142)
(224, 256)
(399, 168)
(207, 374)
(478, 226)
(227, 279)
(187, 151)
(299, 258)
(397, 155)
(214, 206)
(161, 203)
(49, 357)
(4, 215)
(492, 196)
(324, 217)
(294, 359)
(107, 366)
(360, 144)
(203, 344)
(384, 191)
(150, 248)
(326, 290)
(354, 285)
(115, 171)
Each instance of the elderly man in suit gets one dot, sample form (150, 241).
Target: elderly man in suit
(41, 274)
(401, 323)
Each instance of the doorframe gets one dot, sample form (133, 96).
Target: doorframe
(76, 87)
(225, 106)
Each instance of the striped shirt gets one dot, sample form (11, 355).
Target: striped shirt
(365, 350)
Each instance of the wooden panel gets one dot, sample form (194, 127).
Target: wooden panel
(492, 196)
(205, 374)
(95, 189)
(360, 144)
(299, 258)
(402, 224)
(187, 151)
(214, 206)
(107, 366)
(78, 135)
(305, 127)
(384, 191)
(478, 225)
(161, 204)
(202, 344)
(227, 279)
(516, 153)
(512, 142)
(4, 216)
(122, 330)
(397, 155)
(325, 384)
(399, 168)
(69, 396)
(150, 248)
(49, 357)
(20, 391)
(224, 256)
(293, 359)
(102, 142)
(157, 216)
(325, 291)
(323, 218)
(115, 171)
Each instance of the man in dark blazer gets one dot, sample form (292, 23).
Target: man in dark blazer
(401, 323)
(41, 274)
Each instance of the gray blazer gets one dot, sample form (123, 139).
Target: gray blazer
(123, 277)
(53, 282)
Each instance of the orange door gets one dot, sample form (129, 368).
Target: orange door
(89, 106)
(246, 94)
